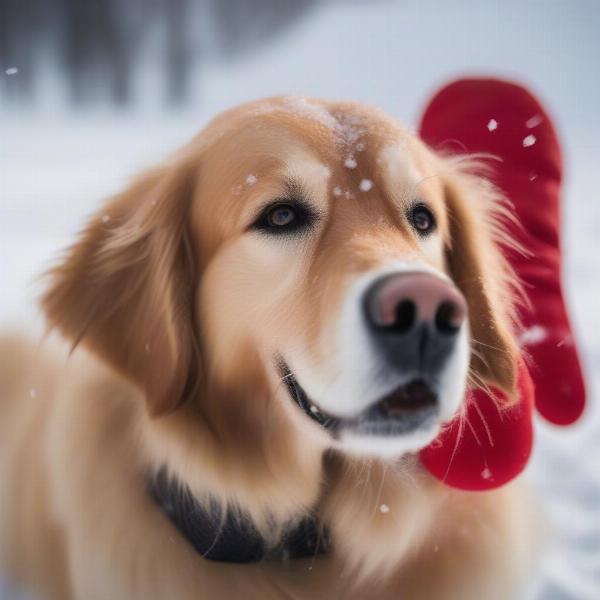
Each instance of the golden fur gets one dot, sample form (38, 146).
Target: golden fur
(173, 311)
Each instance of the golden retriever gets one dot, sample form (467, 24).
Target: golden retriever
(263, 332)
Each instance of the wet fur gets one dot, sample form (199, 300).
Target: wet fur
(172, 326)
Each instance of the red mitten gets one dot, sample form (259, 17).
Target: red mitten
(504, 119)
(487, 445)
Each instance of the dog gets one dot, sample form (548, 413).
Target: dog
(262, 333)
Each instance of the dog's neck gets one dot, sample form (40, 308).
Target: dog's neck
(222, 535)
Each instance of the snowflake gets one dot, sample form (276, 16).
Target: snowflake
(337, 190)
(384, 508)
(251, 179)
(365, 185)
(350, 162)
(12, 71)
(529, 140)
(492, 125)
(533, 335)
(533, 122)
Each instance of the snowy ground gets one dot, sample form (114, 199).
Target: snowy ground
(55, 171)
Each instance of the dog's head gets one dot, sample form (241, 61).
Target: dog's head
(318, 246)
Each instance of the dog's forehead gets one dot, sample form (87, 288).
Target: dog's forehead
(333, 150)
(355, 143)
(329, 130)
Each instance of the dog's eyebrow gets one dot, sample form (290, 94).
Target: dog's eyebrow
(294, 188)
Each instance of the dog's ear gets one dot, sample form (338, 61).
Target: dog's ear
(126, 288)
(482, 274)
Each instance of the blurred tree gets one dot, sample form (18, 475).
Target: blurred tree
(100, 44)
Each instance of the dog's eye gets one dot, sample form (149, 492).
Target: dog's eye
(284, 217)
(422, 219)
(281, 216)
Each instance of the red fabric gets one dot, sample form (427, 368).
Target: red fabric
(504, 119)
(488, 445)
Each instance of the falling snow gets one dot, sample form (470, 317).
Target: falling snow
(12, 71)
(350, 163)
(486, 473)
(251, 179)
(384, 508)
(533, 122)
(492, 125)
(365, 185)
(533, 335)
(529, 140)
(337, 191)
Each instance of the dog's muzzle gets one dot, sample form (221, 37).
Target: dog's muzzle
(413, 322)
(408, 407)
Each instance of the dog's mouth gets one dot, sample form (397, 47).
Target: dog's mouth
(410, 406)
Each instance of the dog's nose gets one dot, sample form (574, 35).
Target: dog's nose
(415, 318)
(397, 303)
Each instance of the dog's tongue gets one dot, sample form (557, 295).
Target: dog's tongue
(488, 445)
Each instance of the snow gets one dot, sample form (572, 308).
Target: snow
(529, 140)
(534, 335)
(11, 71)
(384, 508)
(350, 162)
(337, 191)
(492, 125)
(348, 130)
(533, 122)
(365, 185)
(251, 179)
(303, 107)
